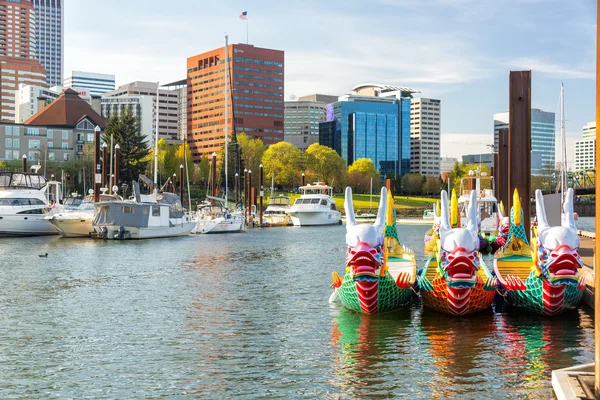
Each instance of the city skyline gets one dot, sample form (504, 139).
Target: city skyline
(459, 51)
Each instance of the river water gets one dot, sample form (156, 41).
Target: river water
(246, 315)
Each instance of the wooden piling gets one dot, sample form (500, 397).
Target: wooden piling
(250, 194)
(24, 163)
(303, 183)
(116, 167)
(104, 164)
(519, 141)
(97, 167)
(261, 194)
(213, 178)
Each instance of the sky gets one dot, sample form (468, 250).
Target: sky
(458, 51)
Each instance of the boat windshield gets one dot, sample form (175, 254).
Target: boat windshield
(22, 180)
(283, 201)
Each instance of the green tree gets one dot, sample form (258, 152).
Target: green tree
(326, 164)
(126, 131)
(360, 174)
(412, 183)
(431, 186)
(283, 162)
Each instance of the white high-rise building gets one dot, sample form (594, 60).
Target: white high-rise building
(97, 84)
(425, 131)
(168, 107)
(49, 37)
(585, 149)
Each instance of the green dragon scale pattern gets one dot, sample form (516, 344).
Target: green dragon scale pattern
(391, 230)
(517, 230)
(532, 298)
(390, 297)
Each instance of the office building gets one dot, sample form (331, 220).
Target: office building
(425, 131)
(447, 164)
(30, 99)
(301, 122)
(97, 84)
(585, 149)
(479, 159)
(257, 76)
(49, 37)
(17, 25)
(140, 99)
(542, 138)
(58, 132)
(322, 98)
(14, 72)
(371, 126)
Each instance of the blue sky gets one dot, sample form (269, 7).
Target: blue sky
(460, 51)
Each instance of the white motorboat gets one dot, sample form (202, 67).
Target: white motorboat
(77, 221)
(217, 218)
(25, 200)
(156, 215)
(277, 212)
(487, 210)
(315, 206)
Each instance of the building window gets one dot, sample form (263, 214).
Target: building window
(34, 144)
(66, 157)
(65, 135)
(90, 137)
(51, 156)
(65, 146)
(9, 130)
(8, 155)
(16, 143)
(50, 134)
(8, 142)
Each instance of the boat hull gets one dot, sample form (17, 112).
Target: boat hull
(220, 225)
(73, 227)
(131, 232)
(315, 218)
(25, 225)
(277, 220)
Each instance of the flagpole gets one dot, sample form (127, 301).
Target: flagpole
(247, 30)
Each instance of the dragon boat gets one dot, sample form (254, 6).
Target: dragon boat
(454, 279)
(380, 273)
(545, 278)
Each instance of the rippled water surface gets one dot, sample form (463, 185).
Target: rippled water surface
(246, 315)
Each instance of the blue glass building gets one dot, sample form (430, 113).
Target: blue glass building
(377, 128)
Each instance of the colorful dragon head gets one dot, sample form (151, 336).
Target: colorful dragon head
(557, 246)
(365, 258)
(458, 258)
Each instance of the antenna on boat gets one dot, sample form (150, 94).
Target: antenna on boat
(226, 110)
(563, 152)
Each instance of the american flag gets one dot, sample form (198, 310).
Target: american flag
(244, 15)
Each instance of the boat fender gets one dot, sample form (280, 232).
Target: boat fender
(103, 233)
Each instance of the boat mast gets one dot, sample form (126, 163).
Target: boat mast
(226, 110)
(563, 153)
(156, 143)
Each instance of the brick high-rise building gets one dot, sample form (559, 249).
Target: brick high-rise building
(18, 62)
(256, 93)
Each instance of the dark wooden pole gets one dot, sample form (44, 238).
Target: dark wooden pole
(104, 164)
(245, 195)
(174, 183)
(261, 193)
(303, 179)
(24, 163)
(116, 167)
(236, 189)
(181, 184)
(495, 174)
(250, 194)
(502, 184)
(97, 167)
(213, 177)
(519, 141)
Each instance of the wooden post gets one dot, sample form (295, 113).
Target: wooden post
(597, 250)
(261, 194)
(181, 184)
(303, 179)
(236, 189)
(116, 167)
(24, 163)
(245, 195)
(495, 170)
(502, 184)
(213, 177)
(174, 183)
(97, 167)
(104, 166)
(250, 194)
(519, 141)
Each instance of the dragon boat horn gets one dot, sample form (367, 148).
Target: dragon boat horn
(501, 210)
(454, 215)
(568, 218)
(444, 217)
(517, 208)
(540, 211)
(381, 213)
(473, 208)
(350, 219)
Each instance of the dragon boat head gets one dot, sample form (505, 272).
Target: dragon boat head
(364, 257)
(458, 258)
(557, 257)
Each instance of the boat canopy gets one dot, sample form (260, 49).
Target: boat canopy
(22, 180)
(121, 214)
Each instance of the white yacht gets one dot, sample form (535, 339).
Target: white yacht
(487, 210)
(77, 221)
(150, 216)
(277, 212)
(217, 218)
(315, 206)
(25, 200)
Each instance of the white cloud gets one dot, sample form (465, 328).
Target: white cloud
(458, 144)
(554, 69)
